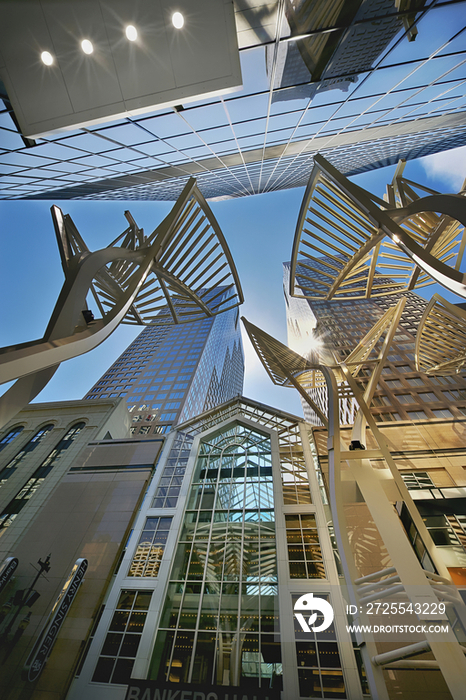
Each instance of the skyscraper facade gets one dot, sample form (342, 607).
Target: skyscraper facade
(171, 373)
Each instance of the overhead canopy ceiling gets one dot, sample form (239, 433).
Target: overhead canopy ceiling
(375, 96)
(164, 65)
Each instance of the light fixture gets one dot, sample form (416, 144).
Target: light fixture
(177, 20)
(86, 46)
(131, 32)
(46, 58)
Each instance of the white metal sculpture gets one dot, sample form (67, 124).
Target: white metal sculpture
(441, 338)
(181, 272)
(351, 244)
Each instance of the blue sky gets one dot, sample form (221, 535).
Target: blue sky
(259, 230)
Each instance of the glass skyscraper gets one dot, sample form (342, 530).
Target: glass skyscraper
(171, 373)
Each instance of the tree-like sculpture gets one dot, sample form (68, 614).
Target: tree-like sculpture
(181, 272)
(351, 244)
(441, 338)
(287, 368)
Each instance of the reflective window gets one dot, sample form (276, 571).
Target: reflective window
(22, 454)
(416, 415)
(168, 489)
(120, 647)
(406, 398)
(442, 413)
(295, 481)
(417, 480)
(428, 396)
(304, 552)
(319, 665)
(10, 436)
(150, 549)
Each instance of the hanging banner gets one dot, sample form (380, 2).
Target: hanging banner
(7, 570)
(43, 646)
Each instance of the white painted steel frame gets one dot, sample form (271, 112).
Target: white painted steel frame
(441, 339)
(380, 220)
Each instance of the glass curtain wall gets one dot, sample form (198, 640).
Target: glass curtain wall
(220, 620)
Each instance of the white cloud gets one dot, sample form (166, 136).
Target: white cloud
(450, 166)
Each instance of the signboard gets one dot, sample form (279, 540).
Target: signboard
(43, 646)
(153, 690)
(7, 570)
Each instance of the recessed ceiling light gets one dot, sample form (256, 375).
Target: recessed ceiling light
(131, 32)
(178, 20)
(86, 46)
(46, 58)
